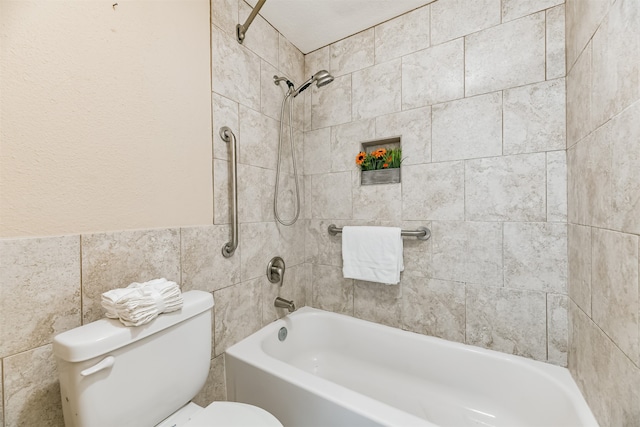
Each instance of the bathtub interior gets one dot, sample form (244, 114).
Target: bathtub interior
(442, 382)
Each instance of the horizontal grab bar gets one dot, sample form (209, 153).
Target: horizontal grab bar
(422, 233)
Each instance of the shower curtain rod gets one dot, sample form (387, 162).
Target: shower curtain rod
(241, 29)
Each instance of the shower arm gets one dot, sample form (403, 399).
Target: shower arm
(241, 29)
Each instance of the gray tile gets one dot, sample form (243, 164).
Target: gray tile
(40, 291)
(271, 95)
(557, 186)
(256, 187)
(290, 60)
(433, 191)
(114, 260)
(376, 90)
(31, 390)
(346, 143)
(203, 266)
(508, 320)
(215, 388)
(254, 257)
(331, 291)
(444, 64)
(417, 254)
(582, 20)
(614, 288)
(263, 38)
(505, 56)
(320, 246)
(317, 60)
(579, 262)
(353, 53)
(224, 14)
(317, 151)
(258, 139)
(467, 128)
(332, 197)
(331, 104)
(609, 381)
(221, 192)
(237, 313)
(513, 9)
(451, 19)
(414, 128)
(402, 35)
(579, 99)
(434, 307)
(555, 30)
(535, 256)
(508, 188)
(534, 118)
(557, 328)
(467, 252)
(294, 277)
(378, 303)
(376, 202)
(225, 113)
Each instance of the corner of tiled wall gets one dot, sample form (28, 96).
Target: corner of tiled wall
(476, 90)
(603, 112)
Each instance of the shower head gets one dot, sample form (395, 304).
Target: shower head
(322, 78)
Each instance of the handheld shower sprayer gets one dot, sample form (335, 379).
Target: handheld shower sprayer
(321, 78)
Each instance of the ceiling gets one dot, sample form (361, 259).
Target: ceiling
(312, 24)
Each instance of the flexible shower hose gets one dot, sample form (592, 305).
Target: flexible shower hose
(293, 157)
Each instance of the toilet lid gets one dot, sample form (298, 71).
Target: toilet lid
(233, 414)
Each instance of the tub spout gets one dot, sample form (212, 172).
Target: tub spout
(283, 303)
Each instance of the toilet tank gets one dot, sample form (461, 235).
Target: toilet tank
(142, 374)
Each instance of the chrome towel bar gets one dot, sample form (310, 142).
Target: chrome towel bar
(422, 233)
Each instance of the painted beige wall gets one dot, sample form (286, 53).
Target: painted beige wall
(105, 116)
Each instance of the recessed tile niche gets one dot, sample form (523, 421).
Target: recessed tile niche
(381, 176)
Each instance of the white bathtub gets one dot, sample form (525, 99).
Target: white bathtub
(334, 370)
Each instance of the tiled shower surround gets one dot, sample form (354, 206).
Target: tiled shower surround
(476, 90)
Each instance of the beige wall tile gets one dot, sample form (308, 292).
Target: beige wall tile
(467, 252)
(290, 60)
(609, 381)
(40, 291)
(271, 95)
(237, 313)
(241, 82)
(255, 193)
(508, 188)
(224, 15)
(221, 192)
(508, 320)
(579, 261)
(203, 266)
(434, 307)
(320, 246)
(353, 53)
(467, 128)
(513, 9)
(534, 118)
(555, 29)
(433, 191)
(331, 291)
(332, 196)
(402, 35)
(317, 151)
(614, 288)
(414, 128)
(258, 139)
(1, 396)
(261, 38)
(331, 104)
(417, 254)
(451, 19)
(346, 143)
(294, 278)
(225, 113)
(215, 388)
(114, 260)
(557, 186)
(557, 329)
(579, 99)
(378, 302)
(32, 393)
(376, 202)
(535, 256)
(623, 135)
(509, 55)
(582, 20)
(317, 60)
(259, 242)
(376, 90)
(444, 66)
(616, 68)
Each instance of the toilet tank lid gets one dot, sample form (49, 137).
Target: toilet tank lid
(105, 335)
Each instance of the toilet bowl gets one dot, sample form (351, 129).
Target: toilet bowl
(114, 375)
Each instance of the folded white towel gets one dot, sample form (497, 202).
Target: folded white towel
(373, 254)
(140, 303)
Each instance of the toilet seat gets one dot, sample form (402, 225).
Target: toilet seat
(233, 414)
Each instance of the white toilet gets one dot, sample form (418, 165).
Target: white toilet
(114, 375)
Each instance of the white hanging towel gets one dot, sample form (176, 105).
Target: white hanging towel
(373, 254)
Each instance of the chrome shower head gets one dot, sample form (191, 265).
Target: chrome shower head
(322, 78)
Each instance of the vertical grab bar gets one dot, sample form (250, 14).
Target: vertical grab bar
(229, 248)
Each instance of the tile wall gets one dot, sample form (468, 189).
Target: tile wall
(477, 92)
(603, 152)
